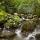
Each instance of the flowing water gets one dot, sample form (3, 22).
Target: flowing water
(31, 36)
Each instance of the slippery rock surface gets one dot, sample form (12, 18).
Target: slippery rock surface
(6, 34)
(37, 37)
(30, 23)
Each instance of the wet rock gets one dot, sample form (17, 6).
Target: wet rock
(3, 39)
(6, 34)
(35, 18)
(24, 34)
(30, 16)
(31, 38)
(28, 26)
(37, 37)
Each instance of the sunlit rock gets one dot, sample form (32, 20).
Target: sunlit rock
(30, 16)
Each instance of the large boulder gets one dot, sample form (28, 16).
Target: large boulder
(29, 25)
(7, 34)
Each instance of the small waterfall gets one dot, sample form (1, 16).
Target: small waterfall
(31, 36)
(18, 32)
(18, 36)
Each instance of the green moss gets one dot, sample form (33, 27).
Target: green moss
(28, 26)
(16, 18)
(3, 15)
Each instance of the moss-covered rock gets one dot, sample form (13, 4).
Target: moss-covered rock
(28, 26)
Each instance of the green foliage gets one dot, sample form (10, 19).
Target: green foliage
(36, 8)
(27, 6)
(3, 15)
(12, 21)
(8, 19)
(23, 6)
(16, 18)
(1, 5)
(9, 7)
(38, 11)
(39, 1)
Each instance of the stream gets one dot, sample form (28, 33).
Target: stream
(31, 36)
(35, 35)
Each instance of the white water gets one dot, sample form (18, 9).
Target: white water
(18, 32)
(31, 36)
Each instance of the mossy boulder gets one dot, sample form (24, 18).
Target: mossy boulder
(28, 26)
